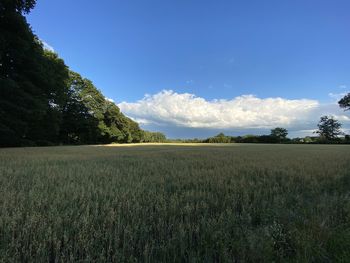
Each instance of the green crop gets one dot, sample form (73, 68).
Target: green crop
(234, 203)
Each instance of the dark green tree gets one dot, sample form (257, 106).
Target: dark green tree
(135, 131)
(41, 101)
(19, 6)
(83, 112)
(220, 138)
(31, 81)
(90, 118)
(280, 134)
(78, 124)
(345, 102)
(329, 128)
(54, 79)
(148, 136)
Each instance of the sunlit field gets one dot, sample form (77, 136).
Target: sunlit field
(175, 203)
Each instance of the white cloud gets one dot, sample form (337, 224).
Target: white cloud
(47, 46)
(342, 118)
(168, 108)
(337, 96)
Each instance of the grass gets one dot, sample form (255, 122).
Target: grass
(175, 203)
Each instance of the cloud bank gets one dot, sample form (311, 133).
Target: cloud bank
(168, 108)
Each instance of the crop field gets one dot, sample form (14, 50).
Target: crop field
(175, 203)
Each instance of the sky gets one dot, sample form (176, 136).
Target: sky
(193, 68)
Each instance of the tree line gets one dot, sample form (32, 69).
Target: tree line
(329, 131)
(43, 102)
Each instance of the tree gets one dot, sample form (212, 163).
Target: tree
(41, 101)
(329, 128)
(345, 102)
(90, 118)
(220, 138)
(32, 82)
(53, 82)
(19, 6)
(347, 138)
(148, 136)
(280, 134)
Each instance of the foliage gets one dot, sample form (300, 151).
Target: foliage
(240, 203)
(280, 134)
(32, 85)
(220, 138)
(42, 102)
(347, 138)
(329, 128)
(19, 6)
(345, 102)
(256, 139)
(306, 139)
(152, 137)
(91, 118)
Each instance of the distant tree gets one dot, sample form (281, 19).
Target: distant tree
(347, 138)
(267, 139)
(249, 138)
(135, 131)
(159, 137)
(308, 139)
(220, 138)
(329, 128)
(345, 102)
(297, 140)
(280, 134)
(148, 136)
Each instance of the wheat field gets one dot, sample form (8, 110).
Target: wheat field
(175, 203)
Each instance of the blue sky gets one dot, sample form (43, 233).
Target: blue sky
(203, 56)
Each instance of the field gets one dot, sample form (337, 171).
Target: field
(175, 203)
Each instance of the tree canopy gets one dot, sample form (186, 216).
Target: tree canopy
(345, 102)
(31, 81)
(43, 102)
(279, 134)
(20, 6)
(329, 128)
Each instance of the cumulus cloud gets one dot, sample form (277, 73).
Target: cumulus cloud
(168, 108)
(337, 96)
